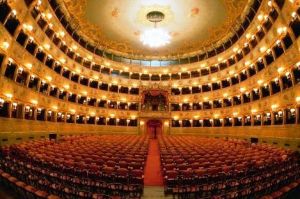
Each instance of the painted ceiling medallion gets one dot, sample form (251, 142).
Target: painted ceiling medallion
(155, 16)
(145, 10)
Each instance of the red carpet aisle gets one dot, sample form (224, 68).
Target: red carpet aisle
(153, 176)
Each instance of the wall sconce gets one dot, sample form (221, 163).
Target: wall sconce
(281, 30)
(259, 82)
(66, 86)
(262, 49)
(61, 33)
(253, 111)
(280, 69)
(274, 107)
(54, 107)
(62, 60)
(9, 95)
(35, 102)
(49, 78)
(5, 45)
(47, 46)
(27, 27)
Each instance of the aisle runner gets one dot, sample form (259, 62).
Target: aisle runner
(153, 175)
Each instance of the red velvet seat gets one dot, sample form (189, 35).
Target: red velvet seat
(293, 185)
(276, 194)
(53, 197)
(5, 175)
(215, 160)
(20, 184)
(41, 194)
(12, 179)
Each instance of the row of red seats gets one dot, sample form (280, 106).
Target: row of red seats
(206, 167)
(75, 167)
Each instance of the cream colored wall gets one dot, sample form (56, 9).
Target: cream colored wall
(11, 130)
(15, 131)
(284, 136)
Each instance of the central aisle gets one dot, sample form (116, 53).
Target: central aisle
(153, 175)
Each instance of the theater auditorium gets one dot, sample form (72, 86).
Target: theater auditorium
(149, 99)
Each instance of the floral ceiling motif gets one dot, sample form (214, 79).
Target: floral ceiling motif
(115, 25)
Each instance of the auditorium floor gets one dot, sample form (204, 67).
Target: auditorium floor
(7, 194)
(150, 192)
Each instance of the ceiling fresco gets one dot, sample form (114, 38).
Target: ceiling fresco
(116, 25)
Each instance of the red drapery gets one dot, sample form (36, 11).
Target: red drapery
(154, 127)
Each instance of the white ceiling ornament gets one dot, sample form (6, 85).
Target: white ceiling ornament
(155, 38)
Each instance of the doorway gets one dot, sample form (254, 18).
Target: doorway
(154, 128)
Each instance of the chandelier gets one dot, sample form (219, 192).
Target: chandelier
(155, 37)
